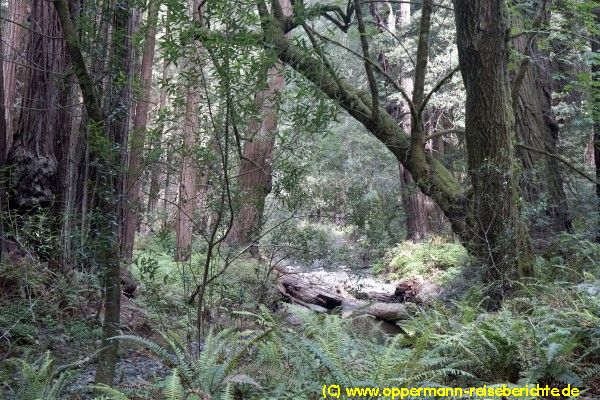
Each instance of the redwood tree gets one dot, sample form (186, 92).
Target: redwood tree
(256, 162)
(187, 186)
(133, 207)
(537, 129)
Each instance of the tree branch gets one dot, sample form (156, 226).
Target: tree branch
(443, 133)
(437, 87)
(368, 65)
(561, 159)
(90, 99)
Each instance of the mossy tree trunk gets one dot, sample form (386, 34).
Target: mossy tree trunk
(498, 235)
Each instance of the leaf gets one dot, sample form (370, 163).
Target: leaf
(242, 378)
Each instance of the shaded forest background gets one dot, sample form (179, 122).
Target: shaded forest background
(193, 177)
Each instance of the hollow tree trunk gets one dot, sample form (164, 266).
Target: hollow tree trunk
(133, 207)
(499, 236)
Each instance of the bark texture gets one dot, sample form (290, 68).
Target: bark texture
(256, 163)
(536, 127)
(499, 235)
(42, 134)
(187, 187)
(13, 49)
(134, 207)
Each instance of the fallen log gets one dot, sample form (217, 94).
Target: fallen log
(302, 291)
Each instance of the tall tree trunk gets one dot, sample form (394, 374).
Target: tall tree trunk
(499, 236)
(595, 45)
(15, 35)
(41, 140)
(133, 207)
(187, 187)
(256, 164)
(3, 145)
(157, 147)
(419, 209)
(536, 127)
(118, 103)
(256, 167)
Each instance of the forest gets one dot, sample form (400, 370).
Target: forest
(299, 199)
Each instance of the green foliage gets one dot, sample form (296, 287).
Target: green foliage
(35, 380)
(211, 373)
(423, 258)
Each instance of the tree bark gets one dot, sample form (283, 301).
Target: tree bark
(187, 187)
(15, 37)
(536, 127)
(595, 46)
(41, 138)
(256, 164)
(133, 207)
(499, 236)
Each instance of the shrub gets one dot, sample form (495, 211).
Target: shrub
(423, 258)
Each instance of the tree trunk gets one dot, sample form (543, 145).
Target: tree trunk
(419, 209)
(38, 144)
(119, 100)
(255, 170)
(536, 127)
(187, 187)
(15, 37)
(499, 236)
(3, 145)
(595, 45)
(133, 207)
(256, 163)
(157, 147)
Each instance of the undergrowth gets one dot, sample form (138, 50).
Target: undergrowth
(547, 332)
